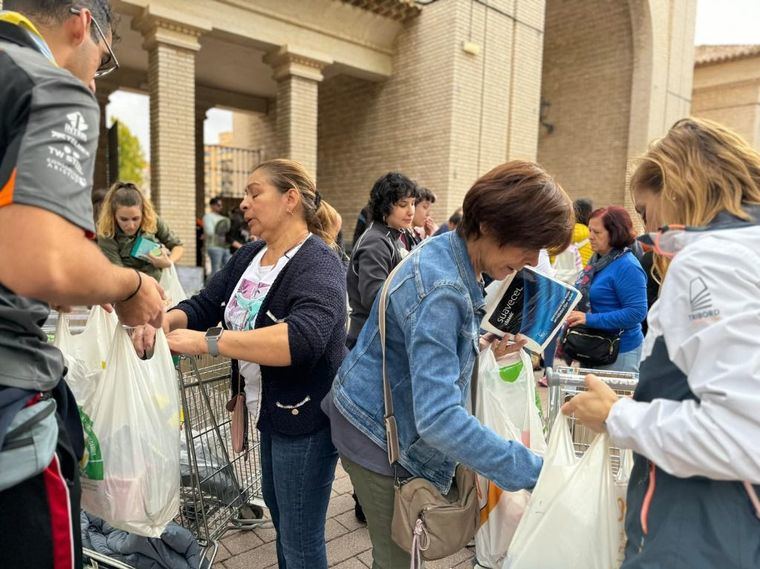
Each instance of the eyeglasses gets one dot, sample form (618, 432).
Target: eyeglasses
(669, 239)
(109, 64)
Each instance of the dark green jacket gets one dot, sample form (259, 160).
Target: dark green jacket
(119, 247)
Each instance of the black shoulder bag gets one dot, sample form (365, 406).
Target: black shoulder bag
(592, 347)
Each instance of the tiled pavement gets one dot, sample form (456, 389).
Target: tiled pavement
(348, 545)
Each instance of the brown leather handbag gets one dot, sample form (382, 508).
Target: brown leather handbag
(239, 420)
(426, 523)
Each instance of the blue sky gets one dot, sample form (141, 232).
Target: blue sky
(718, 22)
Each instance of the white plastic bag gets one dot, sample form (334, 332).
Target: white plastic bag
(572, 519)
(172, 287)
(93, 344)
(507, 405)
(135, 421)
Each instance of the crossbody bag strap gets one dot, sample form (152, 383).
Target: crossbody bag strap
(391, 430)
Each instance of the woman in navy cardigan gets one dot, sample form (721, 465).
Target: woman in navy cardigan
(282, 303)
(618, 292)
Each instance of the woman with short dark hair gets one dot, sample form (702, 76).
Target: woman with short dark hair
(614, 286)
(434, 306)
(379, 249)
(423, 225)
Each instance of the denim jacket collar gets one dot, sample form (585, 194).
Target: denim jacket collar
(466, 270)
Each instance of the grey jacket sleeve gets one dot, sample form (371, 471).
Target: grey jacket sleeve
(376, 261)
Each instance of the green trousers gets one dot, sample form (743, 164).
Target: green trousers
(375, 493)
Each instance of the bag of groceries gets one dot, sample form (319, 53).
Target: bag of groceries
(506, 403)
(572, 518)
(132, 422)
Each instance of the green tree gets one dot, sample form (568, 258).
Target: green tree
(132, 161)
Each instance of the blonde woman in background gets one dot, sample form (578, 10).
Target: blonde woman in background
(127, 214)
(693, 421)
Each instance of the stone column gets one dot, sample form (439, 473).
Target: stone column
(172, 47)
(201, 108)
(298, 73)
(102, 177)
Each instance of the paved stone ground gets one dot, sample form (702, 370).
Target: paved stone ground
(348, 545)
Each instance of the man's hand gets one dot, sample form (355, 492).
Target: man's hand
(592, 407)
(146, 307)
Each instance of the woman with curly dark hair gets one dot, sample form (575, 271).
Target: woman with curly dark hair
(379, 249)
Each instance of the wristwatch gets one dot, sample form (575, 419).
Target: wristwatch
(212, 339)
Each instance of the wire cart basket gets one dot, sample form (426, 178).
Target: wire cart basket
(220, 489)
(565, 382)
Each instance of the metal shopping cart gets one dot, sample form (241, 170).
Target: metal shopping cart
(221, 489)
(565, 382)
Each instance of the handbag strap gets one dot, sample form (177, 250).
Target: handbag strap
(391, 430)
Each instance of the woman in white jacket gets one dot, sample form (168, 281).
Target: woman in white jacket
(694, 421)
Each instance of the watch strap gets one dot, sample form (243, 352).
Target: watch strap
(213, 343)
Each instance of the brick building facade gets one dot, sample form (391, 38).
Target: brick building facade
(727, 88)
(440, 89)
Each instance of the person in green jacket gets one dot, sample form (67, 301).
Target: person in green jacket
(127, 214)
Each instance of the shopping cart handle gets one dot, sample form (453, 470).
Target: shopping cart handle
(576, 377)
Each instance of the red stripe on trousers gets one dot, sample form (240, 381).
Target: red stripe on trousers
(60, 515)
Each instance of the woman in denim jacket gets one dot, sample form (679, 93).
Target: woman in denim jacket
(435, 304)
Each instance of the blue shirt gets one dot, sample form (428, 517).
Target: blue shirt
(619, 300)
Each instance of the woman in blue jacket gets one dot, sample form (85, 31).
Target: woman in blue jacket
(435, 305)
(617, 295)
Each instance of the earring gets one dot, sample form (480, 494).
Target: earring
(290, 212)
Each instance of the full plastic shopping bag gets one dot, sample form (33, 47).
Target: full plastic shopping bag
(134, 417)
(572, 518)
(172, 287)
(506, 403)
(93, 344)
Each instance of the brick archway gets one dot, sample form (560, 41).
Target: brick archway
(586, 97)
